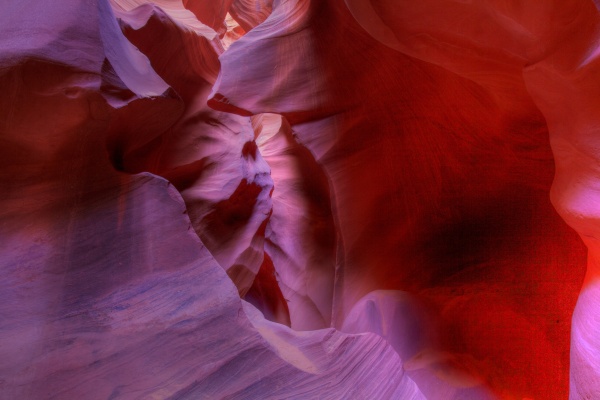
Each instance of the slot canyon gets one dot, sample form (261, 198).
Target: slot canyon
(300, 199)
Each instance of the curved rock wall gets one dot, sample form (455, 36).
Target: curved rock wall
(301, 199)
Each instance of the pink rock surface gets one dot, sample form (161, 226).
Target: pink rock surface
(405, 324)
(301, 230)
(252, 199)
(439, 174)
(108, 292)
(208, 155)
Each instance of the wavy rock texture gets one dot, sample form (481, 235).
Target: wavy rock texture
(108, 291)
(301, 231)
(298, 199)
(207, 155)
(455, 209)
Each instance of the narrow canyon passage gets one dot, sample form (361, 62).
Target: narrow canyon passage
(298, 199)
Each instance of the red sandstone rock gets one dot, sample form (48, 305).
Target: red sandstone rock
(377, 167)
(439, 174)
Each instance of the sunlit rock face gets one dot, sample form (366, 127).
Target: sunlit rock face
(252, 199)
